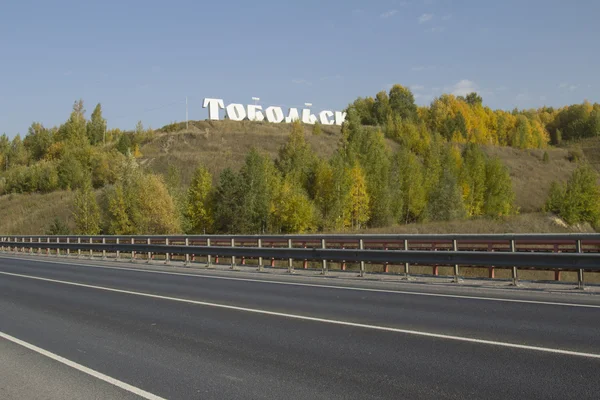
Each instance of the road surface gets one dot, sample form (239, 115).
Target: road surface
(241, 336)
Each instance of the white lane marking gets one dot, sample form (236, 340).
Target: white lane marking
(316, 285)
(322, 320)
(81, 368)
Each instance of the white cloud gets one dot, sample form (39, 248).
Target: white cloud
(463, 88)
(389, 14)
(425, 18)
(332, 78)
(522, 97)
(419, 68)
(568, 86)
(301, 82)
(436, 29)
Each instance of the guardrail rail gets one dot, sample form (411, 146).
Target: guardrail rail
(555, 252)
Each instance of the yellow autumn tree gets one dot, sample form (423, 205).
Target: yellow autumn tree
(358, 211)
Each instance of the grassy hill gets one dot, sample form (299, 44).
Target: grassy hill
(222, 144)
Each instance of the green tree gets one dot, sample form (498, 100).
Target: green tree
(58, 227)
(260, 180)
(381, 108)
(86, 211)
(445, 201)
(402, 102)
(96, 128)
(228, 202)
(71, 172)
(409, 194)
(579, 201)
(199, 198)
(38, 140)
(74, 131)
(293, 210)
(472, 179)
(296, 158)
(317, 129)
(499, 194)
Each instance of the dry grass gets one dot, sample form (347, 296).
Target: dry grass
(525, 223)
(532, 177)
(221, 144)
(23, 214)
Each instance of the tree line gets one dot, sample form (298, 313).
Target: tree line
(364, 184)
(464, 119)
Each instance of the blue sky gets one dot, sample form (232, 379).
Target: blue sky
(140, 59)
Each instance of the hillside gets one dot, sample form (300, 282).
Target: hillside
(222, 144)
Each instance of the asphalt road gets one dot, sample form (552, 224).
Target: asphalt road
(213, 337)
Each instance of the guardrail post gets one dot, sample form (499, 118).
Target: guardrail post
(515, 276)
(39, 248)
(78, 248)
(23, 245)
(290, 260)
(118, 255)
(167, 255)
(48, 249)
(386, 265)
(406, 265)
(187, 256)
(132, 251)
(30, 247)
(68, 250)
(324, 246)
(260, 259)
(103, 249)
(91, 249)
(580, 282)
(232, 257)
(208, 256)
(456, 267)
(361, 246)
(305, 262)
(149, 255)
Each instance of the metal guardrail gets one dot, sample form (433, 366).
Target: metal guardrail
(581, 251)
